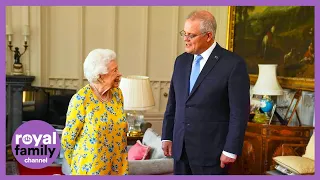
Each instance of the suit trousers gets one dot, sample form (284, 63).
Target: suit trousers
(183, 167)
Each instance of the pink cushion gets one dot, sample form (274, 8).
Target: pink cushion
(138, 151)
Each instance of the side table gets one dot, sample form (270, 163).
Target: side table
(131, 140)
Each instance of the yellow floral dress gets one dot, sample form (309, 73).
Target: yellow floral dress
(94, 138)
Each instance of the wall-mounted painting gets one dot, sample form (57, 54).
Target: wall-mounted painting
(282, 35)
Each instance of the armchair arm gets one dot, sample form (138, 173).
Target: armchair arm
(151, 166)
(293, 147)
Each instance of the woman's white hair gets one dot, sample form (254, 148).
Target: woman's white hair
(96, 63)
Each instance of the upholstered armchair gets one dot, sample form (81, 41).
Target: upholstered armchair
(297, 165)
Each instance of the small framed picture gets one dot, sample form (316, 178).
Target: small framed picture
(272, 113)
(254, 105)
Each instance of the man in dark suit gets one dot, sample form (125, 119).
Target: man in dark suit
(208, 104)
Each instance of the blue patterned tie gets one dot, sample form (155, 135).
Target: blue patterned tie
(195, 72)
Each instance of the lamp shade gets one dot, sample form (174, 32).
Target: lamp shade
(137, 93)
(267, 83)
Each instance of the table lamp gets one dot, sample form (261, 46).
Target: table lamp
(138, 97)
(267, 85)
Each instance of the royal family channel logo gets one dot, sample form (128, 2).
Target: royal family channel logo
(35, 144)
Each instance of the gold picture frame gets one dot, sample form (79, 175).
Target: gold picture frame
(285, 82)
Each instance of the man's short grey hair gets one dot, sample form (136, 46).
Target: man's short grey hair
(96, 63)
(207, 21)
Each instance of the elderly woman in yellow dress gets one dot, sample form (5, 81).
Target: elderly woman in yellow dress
(94, 138)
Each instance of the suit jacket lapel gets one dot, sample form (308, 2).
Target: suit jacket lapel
(187, 74)
(213, 59)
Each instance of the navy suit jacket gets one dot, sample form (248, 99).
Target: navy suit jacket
(214, 116)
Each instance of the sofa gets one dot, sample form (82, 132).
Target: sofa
(156, 164)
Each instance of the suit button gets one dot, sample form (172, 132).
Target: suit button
(188, 124)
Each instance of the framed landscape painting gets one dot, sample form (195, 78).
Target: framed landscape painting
(282, 35)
